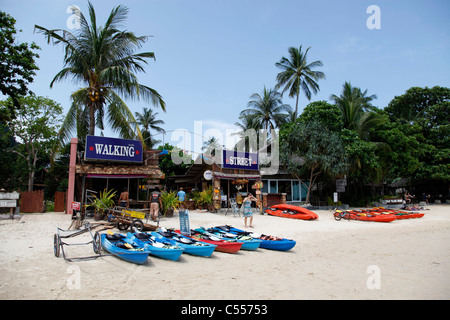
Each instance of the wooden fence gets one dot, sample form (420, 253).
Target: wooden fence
(32, 201)
(60, 201)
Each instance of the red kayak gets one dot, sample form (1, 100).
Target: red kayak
(374, 216)
(292, 212)
(400, 214)
(228, 246)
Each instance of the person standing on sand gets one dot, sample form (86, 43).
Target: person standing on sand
(248, 213)
(155, 202)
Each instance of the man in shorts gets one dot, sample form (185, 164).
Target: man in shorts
(123, 199)
(155, 202)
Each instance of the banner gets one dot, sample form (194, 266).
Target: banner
(113, 149)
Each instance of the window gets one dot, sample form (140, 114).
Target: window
(295, 190)
(265, 187)
(273, 188)
(285, 187)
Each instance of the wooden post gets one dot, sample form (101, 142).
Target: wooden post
(73, 161)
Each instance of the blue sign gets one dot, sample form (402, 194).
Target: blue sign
(185, 228)
(113, 149)
(239, 160)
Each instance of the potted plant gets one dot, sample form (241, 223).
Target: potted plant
(196, 198)
(104, 201)
(169, 202)
(207, 199)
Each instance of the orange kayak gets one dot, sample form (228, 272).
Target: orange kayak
(292, 212)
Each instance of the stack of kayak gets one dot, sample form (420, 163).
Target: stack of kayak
(190, 246)
(376, 214)
(267, 241)
(401, 214)
(248, 242)
(291, 211)
(170, 244)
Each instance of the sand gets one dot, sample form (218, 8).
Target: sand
(404, 259)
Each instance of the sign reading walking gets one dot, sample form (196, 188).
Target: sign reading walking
(113, 149)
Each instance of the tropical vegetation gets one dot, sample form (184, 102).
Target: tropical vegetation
(104, 61)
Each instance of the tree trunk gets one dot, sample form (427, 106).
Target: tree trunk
(92, 120)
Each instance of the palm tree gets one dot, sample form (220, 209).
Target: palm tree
(247, 127)
(357, 110)
(297, 74)
(267, 109)
(103, 60)
(211, 145)
(148, 121)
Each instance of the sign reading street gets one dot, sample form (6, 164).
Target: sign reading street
(239, 160)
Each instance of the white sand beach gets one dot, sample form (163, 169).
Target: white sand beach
(403, 259)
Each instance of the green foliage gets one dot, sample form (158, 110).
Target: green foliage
(206, 196)
(417, 103)
(104, 201)
(328, 115)
(17, 67)
(169, 200)
(168, 167)
(35, 126)
(311, 147)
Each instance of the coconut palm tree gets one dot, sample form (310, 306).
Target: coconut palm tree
(357, 111)
(267, 109)
(103, 60)
(148, 121)
(298, 74)
(248, 129)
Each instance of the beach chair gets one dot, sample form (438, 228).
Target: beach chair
(234, 207)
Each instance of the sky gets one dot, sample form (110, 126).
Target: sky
(212, 55)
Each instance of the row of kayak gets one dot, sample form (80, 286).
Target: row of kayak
(377, 214)
(170, 244)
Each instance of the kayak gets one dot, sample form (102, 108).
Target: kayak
(249, 243)
(292, 212)
(121, 247)
(364, 215)
(156, 246)
(227, 246)
(267, 241)
(190, 246)
(401, 214)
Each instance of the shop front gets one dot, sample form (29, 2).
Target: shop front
(118, 164)
(231, 176)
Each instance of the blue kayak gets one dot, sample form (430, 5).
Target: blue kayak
(190, 246)
(268, 242)
(249, 243)
(121, 247)
(156, 246)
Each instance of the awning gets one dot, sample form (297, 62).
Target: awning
(233, 176)
(116, 176)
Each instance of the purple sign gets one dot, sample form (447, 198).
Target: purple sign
(239, 160)
(113, 149)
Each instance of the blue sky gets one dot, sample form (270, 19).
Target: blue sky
(211, 55)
